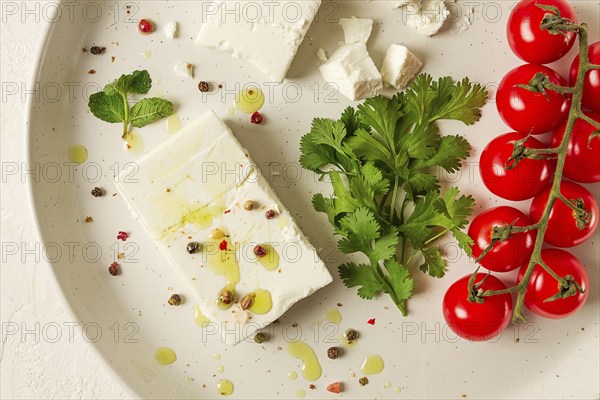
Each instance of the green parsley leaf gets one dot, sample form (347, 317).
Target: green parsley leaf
(382, 159)
(360, 275)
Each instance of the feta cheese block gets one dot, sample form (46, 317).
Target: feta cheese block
(427, 17)
(353, 72)
(205, 204)
(399, 66)
(265, 33)
(356, 30)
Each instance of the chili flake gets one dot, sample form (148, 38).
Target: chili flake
(371, 321)
(113, 269)
(223, 245)
(122, 235)
(256, 118)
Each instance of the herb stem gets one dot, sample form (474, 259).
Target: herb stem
(394, 195)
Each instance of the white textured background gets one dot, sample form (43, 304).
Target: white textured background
(42, 354)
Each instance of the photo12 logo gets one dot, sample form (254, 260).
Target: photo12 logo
(54, 332)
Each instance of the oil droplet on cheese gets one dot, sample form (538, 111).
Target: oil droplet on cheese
(165, 356)
(311, 369)
(333, 316)
(78, 154)
(292, 375)
(262, 302)
(225, 387)
(230, 111)
(387, 385)
(397, 389)
(146, 54)
(249, 100)
(173, 123)
(301, 393)
(133, 142)
(271, 260)
(217, 356)
(221, 369)
(223, 262)
(201, 319)
(372, 365)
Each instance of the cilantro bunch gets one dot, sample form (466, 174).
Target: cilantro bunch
(387, 202)
(112, 104)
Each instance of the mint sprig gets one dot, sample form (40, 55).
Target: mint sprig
(113, 103)
(387, 201)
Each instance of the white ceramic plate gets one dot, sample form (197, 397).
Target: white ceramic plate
(128, 316)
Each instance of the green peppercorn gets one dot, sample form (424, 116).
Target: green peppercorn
(363, 381)
(351, 335)
(260, 337)
(175, 300)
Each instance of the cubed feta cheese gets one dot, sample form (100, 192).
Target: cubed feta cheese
(353, 72)
(184, 70)
(193, 188)
(265, 33)
(399, 66)
(170, 29)
(322, 55)
(356, 30)
(428, 17)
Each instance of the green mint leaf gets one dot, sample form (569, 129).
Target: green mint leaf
(149, 110)
(108, 108)
(360, 275)
(433, 263)
(138, 82)
(399, 280)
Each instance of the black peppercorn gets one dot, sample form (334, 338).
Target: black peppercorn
(193, 247)
(97, 192)
(333, 352)
(95, 50)
(175, 300)
(351, 335)
(260, 337)
(363, 381)
(204, 86)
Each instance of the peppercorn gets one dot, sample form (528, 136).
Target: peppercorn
(256, 118)
(260, 251)
(270, 214)
(145, 26)
(193, 247)
(113, 269)
(333, 352)
(311, 386)
(97, 192)
(204, 86)
(95, 50)
(260, 337)
(175, 300)
(247, 301)
(248, 205)
(226, 297)
(351, 335)
(363, 381)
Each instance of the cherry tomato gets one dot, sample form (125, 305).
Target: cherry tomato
(583, 162)
(529, 112)
(506, 255)
(474, 321)
(591, 87)
(542, 285)
(522, 182)
(562, 225)
(528, 41)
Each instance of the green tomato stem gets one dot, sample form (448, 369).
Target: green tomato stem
(561, 151)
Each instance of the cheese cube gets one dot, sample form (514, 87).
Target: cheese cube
(356, 30)
(194, 188)
(399, 66)
(265, 33)
(353, 72)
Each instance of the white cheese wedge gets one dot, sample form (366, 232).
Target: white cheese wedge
(265, 33)
(353, 72)
(170, 29)
(196, 183)
(356, 30)
(399, 66)
(427, 17)
(184, 70)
